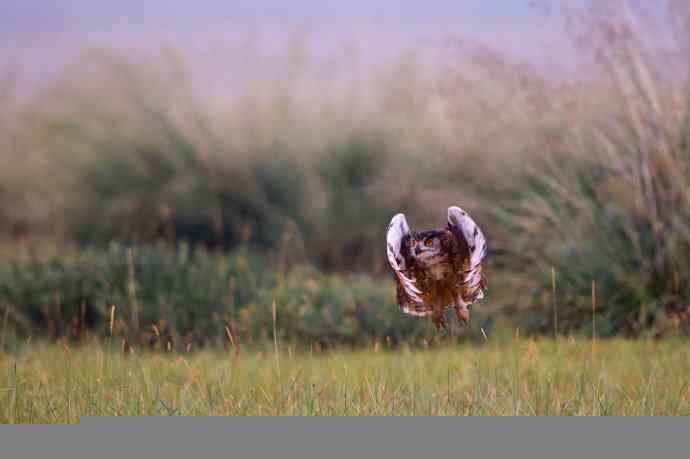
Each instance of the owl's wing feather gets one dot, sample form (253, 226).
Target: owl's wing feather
(472, 245)
(409, 295)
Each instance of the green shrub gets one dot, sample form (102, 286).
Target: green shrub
(191, 295)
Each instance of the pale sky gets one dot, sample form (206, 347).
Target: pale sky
(40, 34)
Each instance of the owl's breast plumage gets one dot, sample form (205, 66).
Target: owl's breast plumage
(440, 272)
(439, 283)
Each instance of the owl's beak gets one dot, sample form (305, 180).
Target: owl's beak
(417, 250)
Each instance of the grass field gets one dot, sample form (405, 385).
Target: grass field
(53, 384)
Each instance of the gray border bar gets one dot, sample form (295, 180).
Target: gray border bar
(417, 437)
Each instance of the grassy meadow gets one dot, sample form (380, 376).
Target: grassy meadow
(179, 238)
(52, 384)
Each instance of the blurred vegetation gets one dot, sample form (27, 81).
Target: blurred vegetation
(282, 189)
(607, 209)
(187, 295)
(166, 172)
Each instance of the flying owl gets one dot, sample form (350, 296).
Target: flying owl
(438, 269)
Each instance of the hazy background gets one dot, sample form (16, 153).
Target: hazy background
(193, 163)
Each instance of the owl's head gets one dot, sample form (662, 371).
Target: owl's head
(427, 246)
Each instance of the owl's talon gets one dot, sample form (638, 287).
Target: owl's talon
(440, 322)
(463, 315)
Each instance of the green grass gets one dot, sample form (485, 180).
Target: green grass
(53, 384)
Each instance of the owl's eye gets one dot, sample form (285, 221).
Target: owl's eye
(428, 243)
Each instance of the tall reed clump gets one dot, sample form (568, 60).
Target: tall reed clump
(611, 203)
(143, 159)
(140, 142)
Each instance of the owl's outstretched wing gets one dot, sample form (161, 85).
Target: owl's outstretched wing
(397, 247)
(472, 250)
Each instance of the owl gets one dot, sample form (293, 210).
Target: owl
(438, 269)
